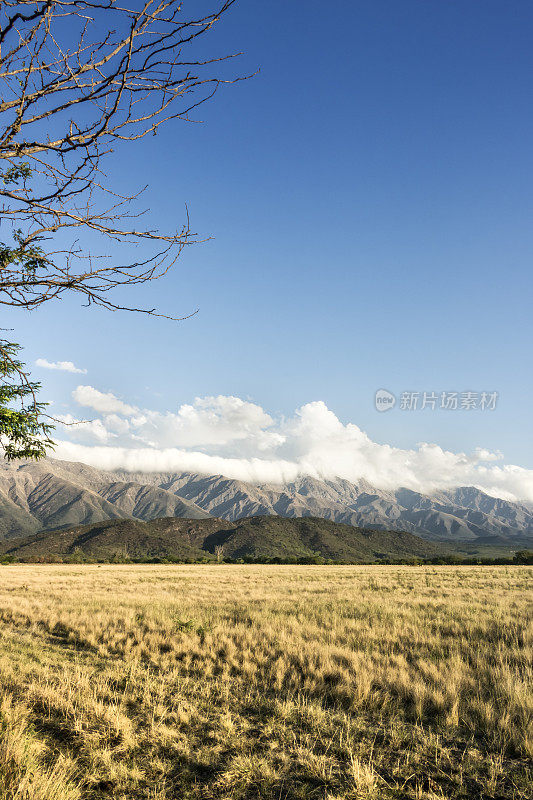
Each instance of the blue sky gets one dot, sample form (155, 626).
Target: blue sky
(370, 200)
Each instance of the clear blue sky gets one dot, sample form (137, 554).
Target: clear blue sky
(370, 196)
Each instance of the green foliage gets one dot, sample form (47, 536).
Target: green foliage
(524, 557)
(24, 257)
(15, 173)
(23, 432)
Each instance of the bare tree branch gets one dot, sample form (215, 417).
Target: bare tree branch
(76, 79)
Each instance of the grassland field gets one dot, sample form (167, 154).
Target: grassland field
(255, 681)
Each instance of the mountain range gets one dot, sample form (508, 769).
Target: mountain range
(52, 494)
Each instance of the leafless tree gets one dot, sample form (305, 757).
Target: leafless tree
(77, 78)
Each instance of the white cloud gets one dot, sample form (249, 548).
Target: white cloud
(147, 459)
(116, 424)
(103, 403)
(94, 429)
(63, 366)
(208, 422)
(237, 438)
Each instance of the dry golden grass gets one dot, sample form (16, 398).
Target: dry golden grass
(206, 682)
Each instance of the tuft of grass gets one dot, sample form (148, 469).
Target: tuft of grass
(28, 769)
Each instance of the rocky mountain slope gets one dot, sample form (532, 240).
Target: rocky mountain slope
(454, 515)
(259, 538)
(53, 494)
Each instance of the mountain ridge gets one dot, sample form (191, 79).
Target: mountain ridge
(254, 538)
(51, 494)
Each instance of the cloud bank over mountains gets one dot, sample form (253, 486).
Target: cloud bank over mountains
(239, 439)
